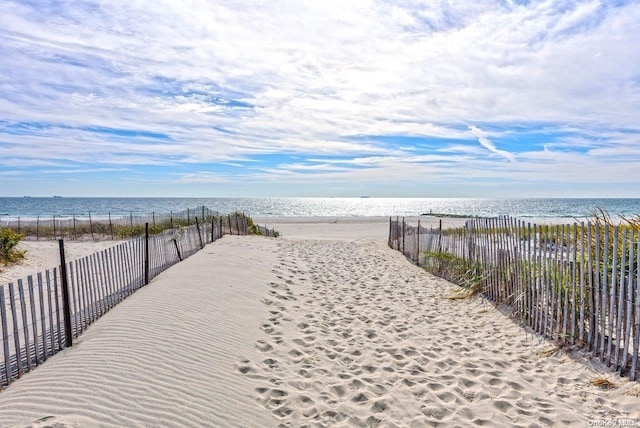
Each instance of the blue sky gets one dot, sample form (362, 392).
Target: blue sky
(420, 98)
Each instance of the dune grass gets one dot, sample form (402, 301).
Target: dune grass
(9, 252)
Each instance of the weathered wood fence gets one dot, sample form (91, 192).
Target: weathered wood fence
(40, 316)
(576, 283)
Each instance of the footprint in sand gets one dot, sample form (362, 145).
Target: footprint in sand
(244, 367)
(263, 346)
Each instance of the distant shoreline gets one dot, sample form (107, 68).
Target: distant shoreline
(522, 208)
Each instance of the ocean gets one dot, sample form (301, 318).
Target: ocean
(28, 207)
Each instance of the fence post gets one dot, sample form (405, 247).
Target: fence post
(177, 249)
(18, 224)
(188, 219)
(146, 253)
(199, 235)
(245, 223)
(91, 226)
(404, 229)
(38, 228)
(54, 226)
(110, 226)
(213, 220)
(66, 305)
(418, 245)
(5, 336)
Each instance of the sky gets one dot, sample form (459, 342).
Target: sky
(251, 98)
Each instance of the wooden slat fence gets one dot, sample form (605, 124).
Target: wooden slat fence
(103, 226)
(577, 284)
(32, 319)
(265, 231)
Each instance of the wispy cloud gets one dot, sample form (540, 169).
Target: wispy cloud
(487, 144)
(195, 88)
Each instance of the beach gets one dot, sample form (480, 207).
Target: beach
(323, 326)
(41, 255)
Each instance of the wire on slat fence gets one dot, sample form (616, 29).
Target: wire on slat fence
(41, 316)
(576, 283)
(102, 226)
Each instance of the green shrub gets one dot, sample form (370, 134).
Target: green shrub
(9, 240)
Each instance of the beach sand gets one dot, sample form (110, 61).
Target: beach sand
(41, 255)
(325, 326)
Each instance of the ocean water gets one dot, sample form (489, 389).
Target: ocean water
(268, 207)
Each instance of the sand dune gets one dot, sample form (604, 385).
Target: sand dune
(325, 326)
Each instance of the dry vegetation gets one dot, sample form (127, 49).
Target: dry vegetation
(9, 252)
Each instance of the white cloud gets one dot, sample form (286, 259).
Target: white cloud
(230, 81)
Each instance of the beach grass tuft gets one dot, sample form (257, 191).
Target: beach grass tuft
(549, 352)
(603, 382)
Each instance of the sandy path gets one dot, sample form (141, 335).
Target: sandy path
(359, 337)
(326, 326)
